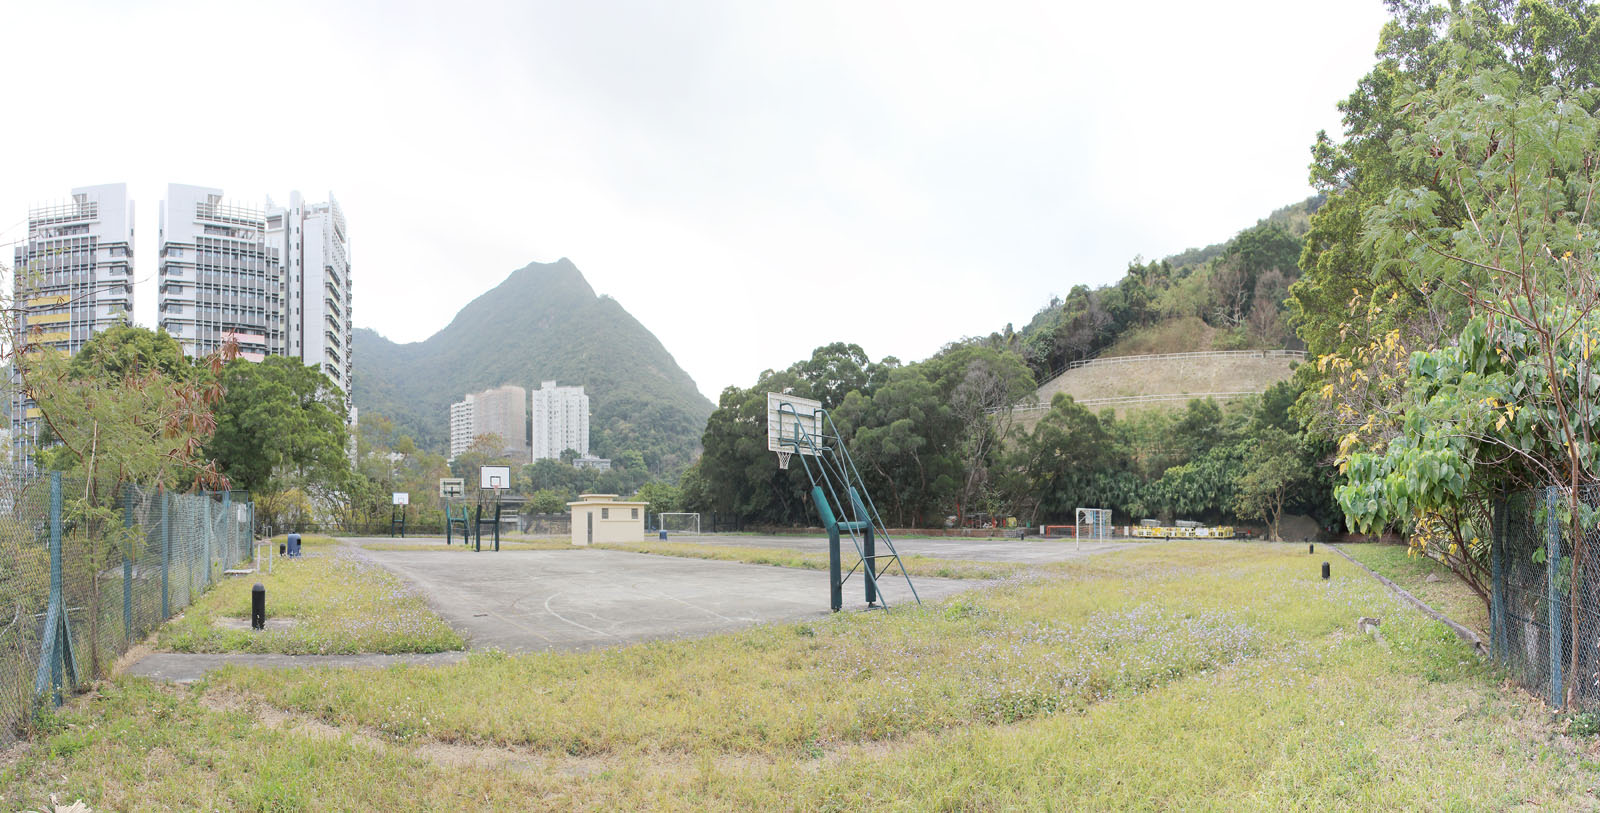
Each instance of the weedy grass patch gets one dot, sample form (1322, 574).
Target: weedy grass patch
(1201, 676)
(339, 605)
(1446, 593)
(1063, 640)
(812, 560)
(309, 540)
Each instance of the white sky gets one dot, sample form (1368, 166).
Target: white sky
(749, 179)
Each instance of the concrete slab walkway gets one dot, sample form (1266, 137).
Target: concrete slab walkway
(185, 667)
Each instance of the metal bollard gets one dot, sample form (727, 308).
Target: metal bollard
(1326, 570)
(1311, 548)
(258, 607)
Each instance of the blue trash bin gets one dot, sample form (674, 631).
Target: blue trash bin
(294, 544)
(663, 536)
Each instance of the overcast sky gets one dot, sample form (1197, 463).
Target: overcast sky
(749, 179)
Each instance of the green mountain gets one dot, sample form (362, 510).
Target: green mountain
(543, 322)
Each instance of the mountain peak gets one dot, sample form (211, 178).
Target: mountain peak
(543, 321)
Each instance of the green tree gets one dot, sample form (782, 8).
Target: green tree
(1514, 399)
(904, 439)
(1273, 468)
(280, 421)
(550, 501)
(1339, 308)
(126, 351)
(1068, 461)
(662, 497)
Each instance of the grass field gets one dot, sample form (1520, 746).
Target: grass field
(807, 560)
(1171, 676)
(1446, 593)
(339, 604)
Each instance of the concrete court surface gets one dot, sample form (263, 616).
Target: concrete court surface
(535, 601)
(981, 550)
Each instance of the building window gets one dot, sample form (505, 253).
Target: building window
(605, 513)
(635, 513)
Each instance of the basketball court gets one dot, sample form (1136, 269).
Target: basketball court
(978, 550)
(537, 601)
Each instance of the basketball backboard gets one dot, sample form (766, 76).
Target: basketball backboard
(794, 424)
(401, 498)
(451, 487)
(494, 477)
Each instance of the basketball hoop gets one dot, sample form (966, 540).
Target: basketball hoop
(783, 460)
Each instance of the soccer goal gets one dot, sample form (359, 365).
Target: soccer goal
(1093, 523)
(679, 523)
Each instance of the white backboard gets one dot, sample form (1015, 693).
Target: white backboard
(452, 486)
(401, 498)
(783, 413)
(494, 477)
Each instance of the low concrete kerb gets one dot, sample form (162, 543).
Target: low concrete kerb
(184, 667)
(1462, 631)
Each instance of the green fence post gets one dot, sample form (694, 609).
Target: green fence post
(166, 552)
(55, 652)
(227, 522)
(205, 535)
(1552, 567)
(127, 568)
(1497, 589)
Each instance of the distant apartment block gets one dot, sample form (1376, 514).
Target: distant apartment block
(502, 411)
(592, 462)
(461, 427)
(560, 421)
(314, 244)
(73, 279)
(275, 279)
(219, 278)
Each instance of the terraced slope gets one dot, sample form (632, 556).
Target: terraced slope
(1166, 380)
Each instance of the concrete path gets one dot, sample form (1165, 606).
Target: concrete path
(182, 667)
(982, 550)
(539, 601)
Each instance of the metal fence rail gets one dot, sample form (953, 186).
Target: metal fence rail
(84, 575)
(1539, 587)
(1125, 400)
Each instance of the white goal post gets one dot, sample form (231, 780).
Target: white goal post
(680, 522)
(1093, 523)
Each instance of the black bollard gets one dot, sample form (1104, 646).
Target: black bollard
(1325, 570)
(258, 607)
(1311, 548)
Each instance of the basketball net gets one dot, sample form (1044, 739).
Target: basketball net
(783, 460)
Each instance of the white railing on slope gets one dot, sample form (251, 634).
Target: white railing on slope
(1297, 355)
(1022, 409)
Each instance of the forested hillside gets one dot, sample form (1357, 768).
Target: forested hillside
(1236, 291)
(937, 438)
(543, 322)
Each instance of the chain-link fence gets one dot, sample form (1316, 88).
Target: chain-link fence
(1544, 612)
(84, 575)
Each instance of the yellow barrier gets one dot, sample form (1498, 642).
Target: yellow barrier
(1168, 532)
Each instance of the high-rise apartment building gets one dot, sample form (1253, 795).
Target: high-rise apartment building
(560, 421)
(314, 244)
(502, 411)
(219, 277)
(73, 279)
(461, 434)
